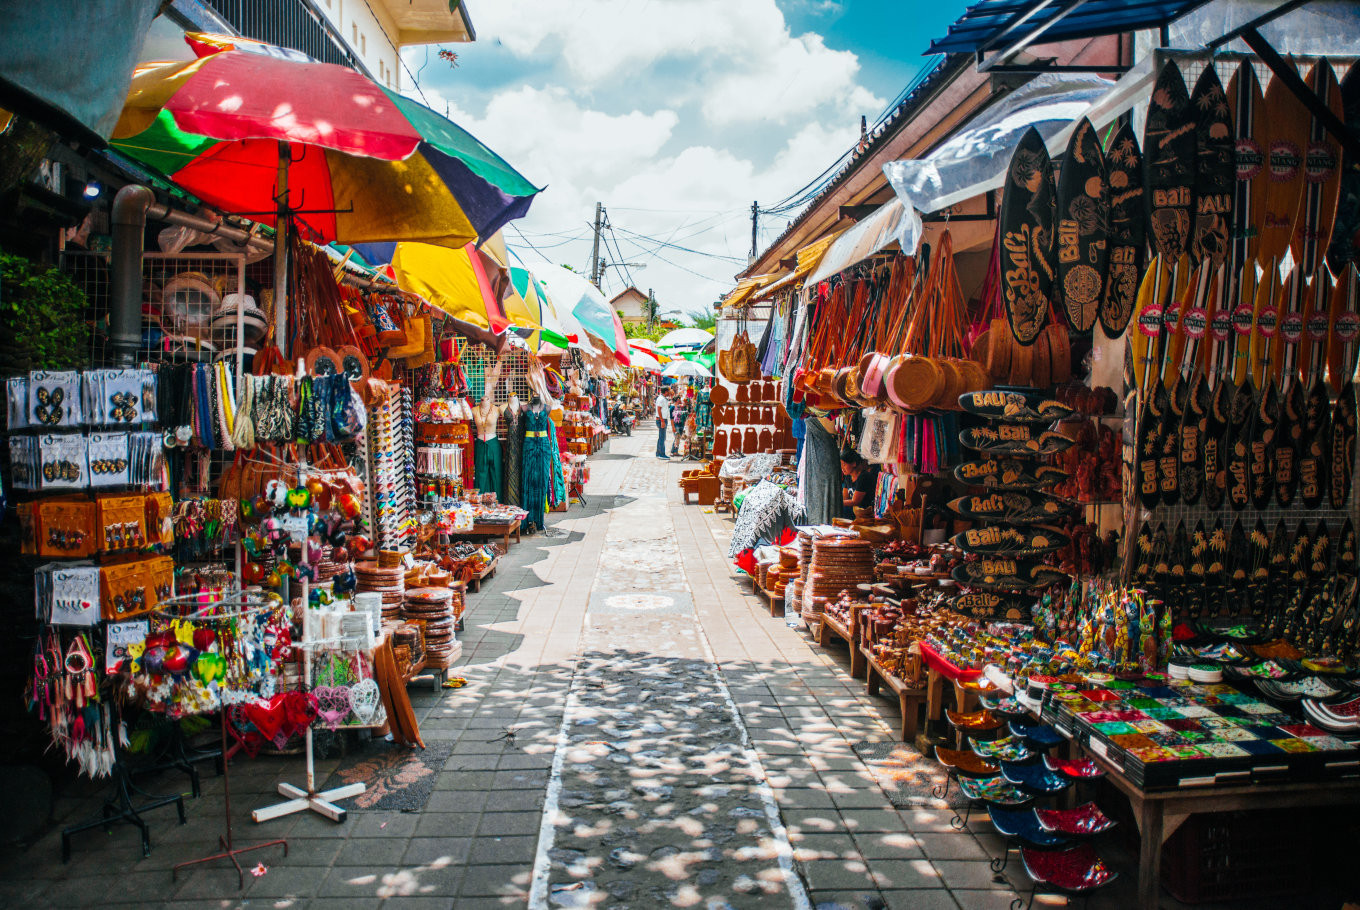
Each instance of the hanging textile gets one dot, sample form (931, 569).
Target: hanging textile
(559, 480)
(537, 465)
(489, 476)
(765, 510)
(819, 482)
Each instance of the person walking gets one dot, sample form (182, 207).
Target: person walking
(663, 417)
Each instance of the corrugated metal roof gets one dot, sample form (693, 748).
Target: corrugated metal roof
(995, 24)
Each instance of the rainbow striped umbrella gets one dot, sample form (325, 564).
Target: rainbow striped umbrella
(361, 162)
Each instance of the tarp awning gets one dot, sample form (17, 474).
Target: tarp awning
(863, 240)
(748, 286)
(70, 70)
(974, 160)
(998, 24)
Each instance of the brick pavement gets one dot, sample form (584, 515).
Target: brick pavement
(705, 759)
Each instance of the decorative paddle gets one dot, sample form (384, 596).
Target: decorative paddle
(1083, 209)
(1127, 231)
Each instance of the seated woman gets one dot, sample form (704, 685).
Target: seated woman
(857, 482)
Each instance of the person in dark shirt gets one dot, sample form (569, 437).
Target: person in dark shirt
(858, 480)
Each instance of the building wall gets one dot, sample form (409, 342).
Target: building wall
(370, 34)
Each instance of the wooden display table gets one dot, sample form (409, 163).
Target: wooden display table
(908, 699)
(503, 531)
(1160, 813)
(488, 571)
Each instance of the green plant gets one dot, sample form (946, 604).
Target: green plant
(42, 318)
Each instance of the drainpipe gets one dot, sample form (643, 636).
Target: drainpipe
(129, 236)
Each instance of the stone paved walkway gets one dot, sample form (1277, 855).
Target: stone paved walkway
(691, 752)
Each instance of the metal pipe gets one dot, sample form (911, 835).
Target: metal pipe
(130, 205)
(257, 242)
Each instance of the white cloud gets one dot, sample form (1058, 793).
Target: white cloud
(674, 115)
(747, 65)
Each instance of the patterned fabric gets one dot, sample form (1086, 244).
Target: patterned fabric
(559, 481)
(765, 511)
(537, 465)
(819, 478)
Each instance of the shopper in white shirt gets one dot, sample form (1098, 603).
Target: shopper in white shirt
(663, 418)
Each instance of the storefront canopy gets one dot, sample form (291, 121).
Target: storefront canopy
(70, 70)
(870, 235)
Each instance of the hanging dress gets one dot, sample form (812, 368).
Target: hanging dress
(537, 465)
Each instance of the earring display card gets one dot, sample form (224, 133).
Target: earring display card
(108, 460)
(68, 595)
(54, 399)
(24, 461)
(16, 400)
(64, 463)
(121, 636)
(120, 397)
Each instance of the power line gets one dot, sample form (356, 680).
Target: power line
(540, 253)
(684, 249)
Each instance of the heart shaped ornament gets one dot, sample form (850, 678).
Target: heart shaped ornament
(332, 704)
(364, 698)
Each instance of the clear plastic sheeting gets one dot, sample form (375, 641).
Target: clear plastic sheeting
(974, 159)
(1318, 28)
(891, 221)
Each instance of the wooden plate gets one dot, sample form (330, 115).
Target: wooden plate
(1004, 541)
(1020, 444)
(1008, 474)
(1014, 407)
(1013, 506)
(1005, 574)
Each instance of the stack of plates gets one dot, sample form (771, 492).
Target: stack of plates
(388, 582)
(1338, 717)
(433, 608)
(838, 564)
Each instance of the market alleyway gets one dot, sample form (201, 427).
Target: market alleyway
(636, 731)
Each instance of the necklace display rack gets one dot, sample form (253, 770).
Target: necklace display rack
(299, 800)
(231, 607)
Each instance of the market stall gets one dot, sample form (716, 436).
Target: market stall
(1113, 520)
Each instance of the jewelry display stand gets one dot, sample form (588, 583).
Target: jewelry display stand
(245, 604)
(323, 802)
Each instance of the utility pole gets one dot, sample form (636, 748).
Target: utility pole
(755, 214)
(651, 309)
(595, 250)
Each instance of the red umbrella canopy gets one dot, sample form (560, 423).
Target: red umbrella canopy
(366, 164)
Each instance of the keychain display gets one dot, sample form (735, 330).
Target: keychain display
(120, 397)
(67, 594)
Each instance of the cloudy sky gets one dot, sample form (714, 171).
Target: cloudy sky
(675, 114)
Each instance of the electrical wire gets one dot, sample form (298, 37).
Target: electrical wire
(684, 249)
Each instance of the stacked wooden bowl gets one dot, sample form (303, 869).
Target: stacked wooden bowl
(838, 564)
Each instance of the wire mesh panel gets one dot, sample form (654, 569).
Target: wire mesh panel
(192, 306)
(514, 378)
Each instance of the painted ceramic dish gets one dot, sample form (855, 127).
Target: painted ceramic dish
(1082, 821)
(1035, 778)
(966, 762)
(994, 790)
(1022, 825)
(1006, 749)
(1076, 869)
(1077, 768)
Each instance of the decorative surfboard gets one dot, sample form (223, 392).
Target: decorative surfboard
(1315, 404)
(1215, 170)
(1004, 541)
(1341, 450)
(1127, 235)
(1321, 175)
(1197, 572)
(1289, 418)
(1015, 407)
(1083, 216)
(1169, 154)
(1028, 215)
(1343, 327)
(1287, 123)
(1015, 440)
(1145, 345)
(1249, 132)
(1194, 326)
(1261, 447)
(1008, 474)
(1144, 555)
(1019, 507)
(1221, 344)
(1003, 574)
(1170, 394)
(1290, 447)
(1342, 248)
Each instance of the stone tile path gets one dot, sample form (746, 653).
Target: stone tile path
(690, 752)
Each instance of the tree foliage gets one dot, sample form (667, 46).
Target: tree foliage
(42, 318)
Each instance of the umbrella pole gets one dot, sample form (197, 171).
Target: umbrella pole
(282, 228)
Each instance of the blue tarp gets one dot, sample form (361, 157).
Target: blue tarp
(67, 64)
